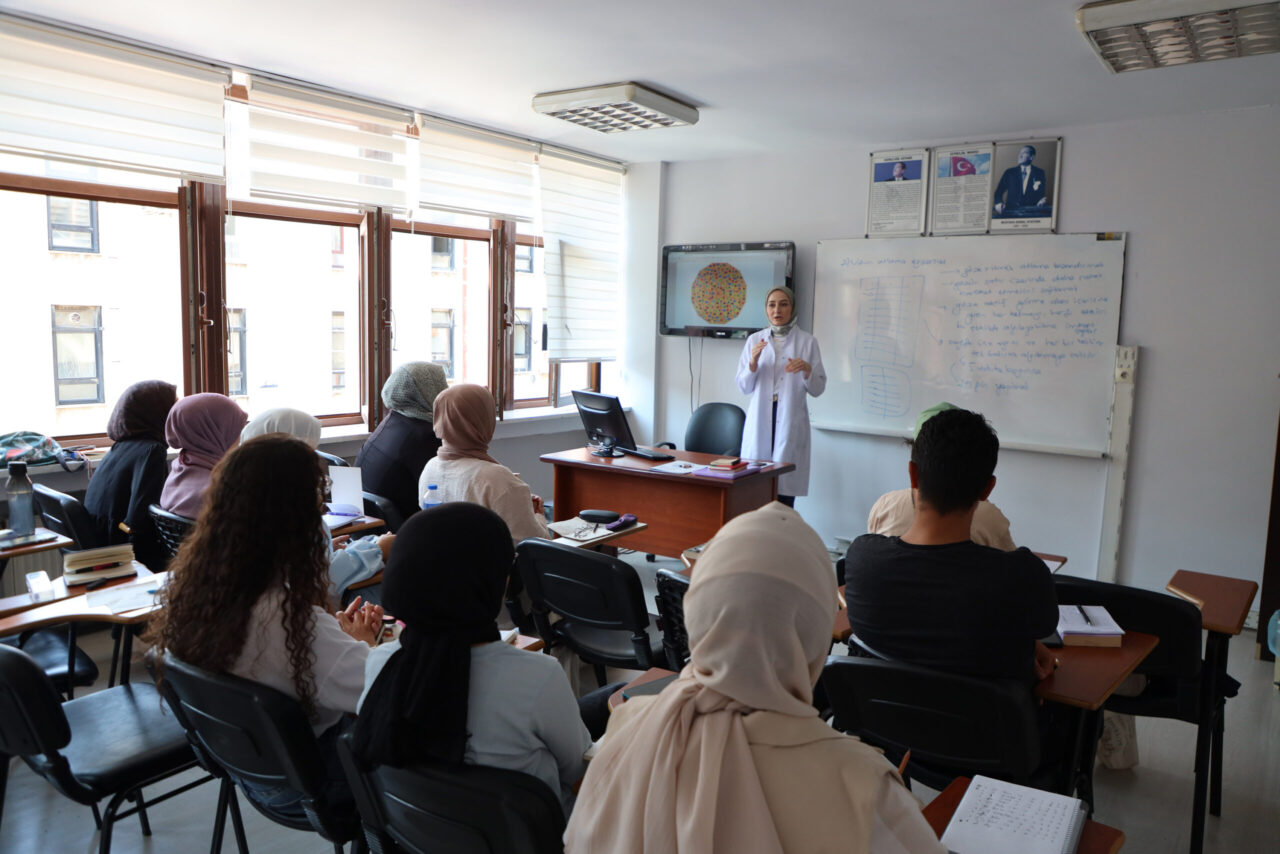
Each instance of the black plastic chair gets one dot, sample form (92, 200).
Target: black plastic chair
(259, 734)
(954, 726)
(1174, 669)
(107, 745)
(600, 600)
(453, 809)
(171, 527)
(670, 601)
(67, 516)
(333, 459)
(381, 507)
(714, 428)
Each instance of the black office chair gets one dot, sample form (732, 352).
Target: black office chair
(600, 600)
(333, 459)
(670, 601)
(453, 809)
(56, 650)
(107, 745)
(1175, 687)
(714, 428)
(171, 527)
(258, 733)
(381, 507)
(954, 726)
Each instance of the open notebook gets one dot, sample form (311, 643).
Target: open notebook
(995, 817)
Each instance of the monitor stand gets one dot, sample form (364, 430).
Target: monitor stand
(606, 451)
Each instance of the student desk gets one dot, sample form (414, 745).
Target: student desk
(682, 509)
(1224, 604)
(1096, 839)
(55, 541)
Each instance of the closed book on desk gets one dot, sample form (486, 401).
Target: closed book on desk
(93, 564)
(1088, 625)
(728, 474)
(995, 817)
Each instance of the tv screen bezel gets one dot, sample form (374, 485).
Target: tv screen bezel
(708, 330)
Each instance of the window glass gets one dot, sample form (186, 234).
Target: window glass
(441, 315)
(522, 339)
(532, 373)
(73, 225)
(287, 291)
(339, 350)
(65, 375)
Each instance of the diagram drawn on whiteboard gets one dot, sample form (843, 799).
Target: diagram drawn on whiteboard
(886, 342)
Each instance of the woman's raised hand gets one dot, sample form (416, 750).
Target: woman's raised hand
(755, 354)
(362, 622)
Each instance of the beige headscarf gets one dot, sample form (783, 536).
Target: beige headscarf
(465, 419)
(679, 775)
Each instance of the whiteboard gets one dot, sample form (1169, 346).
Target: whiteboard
(1022, 328)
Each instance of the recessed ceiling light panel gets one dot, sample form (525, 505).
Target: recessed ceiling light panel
(1132, 34)
(616, 107)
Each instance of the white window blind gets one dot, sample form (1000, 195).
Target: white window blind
(475, 173)
(310, 147)
(66, 96)
(581, 206)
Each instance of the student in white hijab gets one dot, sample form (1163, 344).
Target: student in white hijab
(732, 756)
(349, 560)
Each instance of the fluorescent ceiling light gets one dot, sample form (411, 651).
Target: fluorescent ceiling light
(1132, 34)
(616, 107)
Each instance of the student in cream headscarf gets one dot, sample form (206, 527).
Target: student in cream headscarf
(732, 756)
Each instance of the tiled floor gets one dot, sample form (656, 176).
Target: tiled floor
(1150, 803)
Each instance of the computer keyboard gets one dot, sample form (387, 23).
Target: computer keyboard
(656, 456)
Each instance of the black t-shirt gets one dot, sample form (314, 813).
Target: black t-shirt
(130, 479)
(961, 607)
(393, 458)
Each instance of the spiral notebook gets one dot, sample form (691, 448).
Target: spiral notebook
(995, 817)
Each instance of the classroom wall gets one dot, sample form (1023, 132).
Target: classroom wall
(1200, 203)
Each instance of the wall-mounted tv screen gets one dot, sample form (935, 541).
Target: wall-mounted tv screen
(718, 290)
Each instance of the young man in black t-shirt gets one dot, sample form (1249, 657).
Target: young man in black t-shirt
(934, 598)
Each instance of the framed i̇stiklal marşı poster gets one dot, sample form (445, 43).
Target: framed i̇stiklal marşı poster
(1025, 196)
(899, 183)
(961, 202)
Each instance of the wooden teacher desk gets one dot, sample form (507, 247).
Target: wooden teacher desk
(682, 509)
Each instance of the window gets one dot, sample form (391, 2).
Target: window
(73, 225)
(442, 340)
(77, 354)
(339, 247)
(237, 335)
(522, 339)
(339, 351)
(441, 253)
(524, 259)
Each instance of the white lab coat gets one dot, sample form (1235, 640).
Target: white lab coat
(792, 442)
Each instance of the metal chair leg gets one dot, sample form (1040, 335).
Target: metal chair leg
(142, 812)
(237, 824)
(219, 818)
(71, 661)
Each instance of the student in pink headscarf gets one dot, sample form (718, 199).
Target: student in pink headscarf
(464, 418)
(732, 755)
(203, 427)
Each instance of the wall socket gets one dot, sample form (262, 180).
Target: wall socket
(1126, 364)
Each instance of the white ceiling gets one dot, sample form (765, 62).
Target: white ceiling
(767, 76)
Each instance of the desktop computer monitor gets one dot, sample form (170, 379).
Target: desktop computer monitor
(605, 422)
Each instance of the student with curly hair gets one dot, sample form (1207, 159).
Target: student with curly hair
(247, 593)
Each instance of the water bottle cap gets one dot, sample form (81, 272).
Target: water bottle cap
(17, 468)
(432, 486)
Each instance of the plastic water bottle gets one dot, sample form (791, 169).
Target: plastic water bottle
(22, 518)
(1273, 633)
(432, 498)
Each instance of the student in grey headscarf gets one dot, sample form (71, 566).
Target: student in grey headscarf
(396, 453)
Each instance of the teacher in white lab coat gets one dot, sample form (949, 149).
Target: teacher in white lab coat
(778, 367)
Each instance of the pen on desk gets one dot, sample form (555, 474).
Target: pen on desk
(94, 585)
(1083, 614)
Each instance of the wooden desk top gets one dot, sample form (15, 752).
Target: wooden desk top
(1223, 602)
(74, 609)
(59, 591)
(650, 675)
(356, 525)
(1097, 838)
(57, 542)
(582, 458)
(1089, 674)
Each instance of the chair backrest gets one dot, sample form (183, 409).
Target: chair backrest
(333, 459)
(381, 507)
(171, 528)
(32, 722)
(587, 587)
(254, 732)
(953, 725)
(1175, 621)
(66, 516)
(670, 600)
(459, 809)
(715, 428)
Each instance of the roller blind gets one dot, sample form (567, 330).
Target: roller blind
(475, 173)
(67, 96)
(581, 207)
(310, 147)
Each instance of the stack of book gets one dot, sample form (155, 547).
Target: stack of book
(92, 564)
(728, 467)
(1088, 625)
